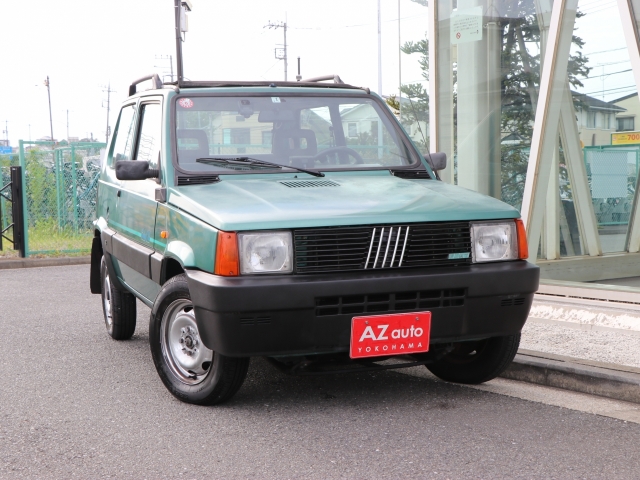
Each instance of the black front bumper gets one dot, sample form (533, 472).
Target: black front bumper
(305, 314)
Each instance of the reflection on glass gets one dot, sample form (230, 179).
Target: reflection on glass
(488, 89)
(332, 132)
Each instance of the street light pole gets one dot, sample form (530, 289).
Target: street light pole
(46, 83)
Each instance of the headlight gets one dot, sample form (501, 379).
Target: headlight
(493, 241)
(266, 252)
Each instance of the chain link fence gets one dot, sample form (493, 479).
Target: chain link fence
(60, 186)
(612, 172)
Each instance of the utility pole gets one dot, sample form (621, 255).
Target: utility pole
(379, 50)
(165, 57)
(283, 55)
(67, 125)
(108, 90)
(46, 83)
(6, 131)
(399, 62)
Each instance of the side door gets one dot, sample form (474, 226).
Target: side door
(121, 149)
(135, 212)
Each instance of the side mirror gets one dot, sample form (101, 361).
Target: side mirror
(135, 170)
(437, 160)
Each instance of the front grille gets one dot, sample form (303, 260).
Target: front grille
(389, 302)
(512, 302)
(250, 321)
(386, 246)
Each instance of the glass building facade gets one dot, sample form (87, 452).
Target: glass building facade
(536, 103)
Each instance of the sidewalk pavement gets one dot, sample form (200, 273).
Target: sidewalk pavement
(577, 344)
(582, 345)
(16, 262)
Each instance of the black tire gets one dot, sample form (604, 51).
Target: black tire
(189, 370)
(118, 307)
(477, 362)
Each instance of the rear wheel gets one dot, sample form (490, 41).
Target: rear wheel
(190, 371)
(478, 361)
(119, 307)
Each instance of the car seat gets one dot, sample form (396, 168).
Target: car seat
(189, 155)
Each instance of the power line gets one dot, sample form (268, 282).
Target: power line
(606, 51)
(359, 24)
(608, 90)
(607, 74)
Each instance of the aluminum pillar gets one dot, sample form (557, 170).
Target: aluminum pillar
(553, 78)
(441, 85)
(630, 25)
(479, 106)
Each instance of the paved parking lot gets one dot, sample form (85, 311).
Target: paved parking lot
(74, 403)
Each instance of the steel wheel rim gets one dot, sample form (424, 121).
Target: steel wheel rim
(106, 300)
(184, 353)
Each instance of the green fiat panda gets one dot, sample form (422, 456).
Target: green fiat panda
(299, 222)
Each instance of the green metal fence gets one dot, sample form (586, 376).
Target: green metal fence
(612, 172)
(6, 162)
(60, 186)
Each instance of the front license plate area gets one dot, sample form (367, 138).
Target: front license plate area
(394, 334)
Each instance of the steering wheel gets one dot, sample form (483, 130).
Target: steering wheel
(347, 150)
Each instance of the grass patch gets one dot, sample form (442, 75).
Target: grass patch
(47, 239)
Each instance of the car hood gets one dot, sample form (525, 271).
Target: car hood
(265, 202)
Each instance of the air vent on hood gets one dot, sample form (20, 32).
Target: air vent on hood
(309, 183)
(197, 180)
(411, 174)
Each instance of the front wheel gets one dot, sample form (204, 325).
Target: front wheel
(189, 370)
(478, 361)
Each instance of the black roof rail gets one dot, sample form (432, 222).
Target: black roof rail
(335, 78)
(155, 81)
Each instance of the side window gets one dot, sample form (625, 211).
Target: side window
(149, 141)
(124, 134)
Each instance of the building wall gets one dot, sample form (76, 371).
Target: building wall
(632, 105)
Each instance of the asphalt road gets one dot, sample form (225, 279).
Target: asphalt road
(74, 403)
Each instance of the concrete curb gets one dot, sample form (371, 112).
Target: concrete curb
(595, 378)
(44, 262)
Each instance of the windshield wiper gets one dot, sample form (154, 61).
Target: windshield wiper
(251, 161)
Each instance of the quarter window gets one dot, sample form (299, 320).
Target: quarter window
(148, 149)
(124, 134)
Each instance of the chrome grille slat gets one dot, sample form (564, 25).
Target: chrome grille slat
(381, 247)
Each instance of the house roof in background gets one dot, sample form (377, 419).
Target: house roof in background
(631, 95)
(593, 103)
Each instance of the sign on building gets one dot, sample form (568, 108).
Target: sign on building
(466, 25)
(625, 138)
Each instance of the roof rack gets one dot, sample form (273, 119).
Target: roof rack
(263, 83)
(335, 78)
(155, 81)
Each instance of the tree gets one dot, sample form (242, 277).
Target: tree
(519, 86)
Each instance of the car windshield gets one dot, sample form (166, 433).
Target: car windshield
(309, 132)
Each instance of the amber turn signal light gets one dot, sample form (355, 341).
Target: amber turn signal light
(523, 246)
(227, 261)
